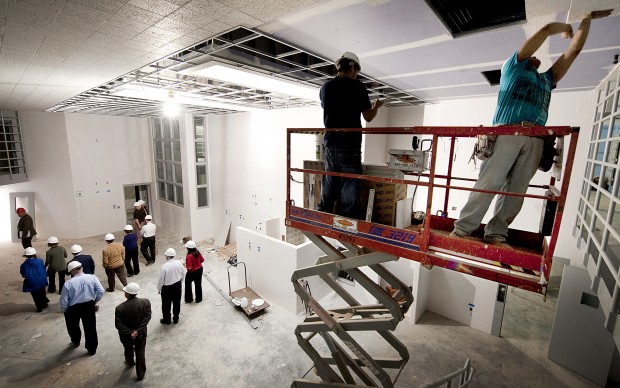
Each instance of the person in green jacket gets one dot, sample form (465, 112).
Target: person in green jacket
(25, 228)
(55, 264)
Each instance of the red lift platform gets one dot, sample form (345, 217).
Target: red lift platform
(525, 263)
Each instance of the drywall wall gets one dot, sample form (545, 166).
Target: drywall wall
(50, 178)
(270, 264)
(106, 153)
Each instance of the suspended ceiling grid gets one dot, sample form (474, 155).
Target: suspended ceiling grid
(242, 47)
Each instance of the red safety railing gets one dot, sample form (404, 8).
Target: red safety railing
(525, 264)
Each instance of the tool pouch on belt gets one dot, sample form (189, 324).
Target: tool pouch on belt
(483, 149)
(548, 155)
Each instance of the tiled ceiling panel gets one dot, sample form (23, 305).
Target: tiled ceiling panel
(87, 45)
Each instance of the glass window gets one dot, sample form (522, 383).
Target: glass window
(612, 153)
(594, 135)
(603, 205)
(202, 172)
(202, 197)
(615, 126)
(605, 128)
(600, 150)
(167, 154)
(200, 152)
(608, 106)
(12, 158)
(598, 229)
(593, 251)
(176, 151)
(179, 194)
(615, 217)
(613, 251)
(201, 175)
(608, 179)
(608, 278)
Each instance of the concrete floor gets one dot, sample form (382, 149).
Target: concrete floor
(214, 346)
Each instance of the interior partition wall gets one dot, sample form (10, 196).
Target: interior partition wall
(597, 226)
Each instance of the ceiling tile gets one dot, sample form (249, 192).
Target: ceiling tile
(186, 16)
(127, 30)
(22, 37)
(36, 73)
(138, 14)
(168, 48)
(236, 18)
(10, 75)
(57, 48)
(159, 7)
(103, 41)
(14, 59)
(69, 33)
(110, 6)
(82, 16)
(58, 77)
(21, 91)
(31, 13)
(83, 58)
(5, 91)
(126, 52)
(174, 26)
(3, 8)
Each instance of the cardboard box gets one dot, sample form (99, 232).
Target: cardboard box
(386, 194)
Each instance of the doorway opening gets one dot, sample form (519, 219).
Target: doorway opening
(134, 193)
(25, 200)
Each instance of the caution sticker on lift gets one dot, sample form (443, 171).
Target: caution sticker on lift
(345, 224)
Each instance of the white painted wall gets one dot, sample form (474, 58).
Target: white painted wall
(49, 170)
(251, 154)
(106, 153)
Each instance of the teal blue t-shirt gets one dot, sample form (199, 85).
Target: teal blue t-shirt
(524, 93)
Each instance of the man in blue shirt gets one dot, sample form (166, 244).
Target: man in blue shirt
(77, 301)
(523, 99)
(88, 264)
(344, 99)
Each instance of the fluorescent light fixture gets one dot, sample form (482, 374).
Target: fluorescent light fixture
(239, 76)
(171, 108)
(159, 94)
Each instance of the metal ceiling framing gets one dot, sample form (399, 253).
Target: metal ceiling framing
(241, 47)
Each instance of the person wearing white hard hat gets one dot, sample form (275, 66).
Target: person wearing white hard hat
(35, 278)
(77, 300)
(139, 213)
(88, 264)
(131, 319)
(193, 263)
(170, 286)
(25, 227)
(114, 262)
(148, 244)
(56, 264)
(344, 100)
(130, 242)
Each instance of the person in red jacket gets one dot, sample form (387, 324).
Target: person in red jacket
(193, 263)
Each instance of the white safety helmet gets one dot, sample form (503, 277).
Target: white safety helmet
(30, 251)
(190, 244)
(132, 288)
(136, 204)
(109, 237)
(73, 265)
(170, 252)
(148, 217)
(52, 240)
(141, 202)
(128, 228)
(76, 249)
(350, 57)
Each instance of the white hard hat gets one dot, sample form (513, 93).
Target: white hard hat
(132, 288)
(109, 237)
(141, 202)
(348, 56)
(148, 217)
(52, 240)
(30, 251)
(128, 228)
(190, 244)
(170, 252)
(136, 204)
(76, 249)
(73, 265)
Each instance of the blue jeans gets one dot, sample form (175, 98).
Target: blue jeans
(514, 162)
(345, 190)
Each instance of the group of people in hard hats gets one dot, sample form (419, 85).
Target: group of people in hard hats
(79, 295)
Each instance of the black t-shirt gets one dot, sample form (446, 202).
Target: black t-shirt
(343, 100)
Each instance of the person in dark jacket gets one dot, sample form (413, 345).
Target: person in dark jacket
(25, 227)
(130, 242)
(55, 264)
(88, 264)
(35, 278)
(131, 319)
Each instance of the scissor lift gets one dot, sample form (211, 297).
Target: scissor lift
(525, 263)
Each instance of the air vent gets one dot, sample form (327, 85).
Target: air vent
(466, 16)
(492, 76)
